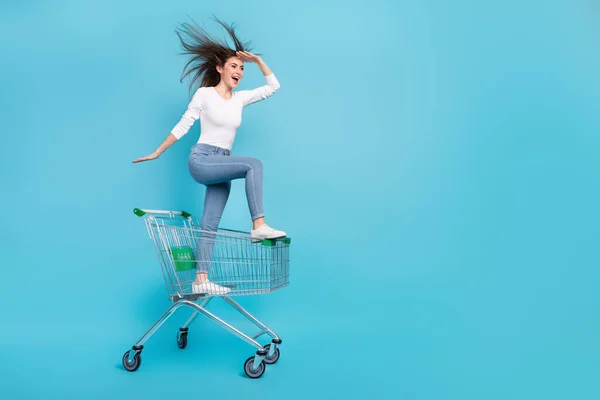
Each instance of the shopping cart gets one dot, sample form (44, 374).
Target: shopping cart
(237, 263)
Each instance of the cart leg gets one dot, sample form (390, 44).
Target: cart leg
(276, 341)
(183, 331)
(132, 358)
(255, 365)
(224, 324)
(158, 324)
(265, 329)
(195, 313)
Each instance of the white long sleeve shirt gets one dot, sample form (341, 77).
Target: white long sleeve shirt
(220, 118)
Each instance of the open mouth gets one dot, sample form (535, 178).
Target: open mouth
(236, 79)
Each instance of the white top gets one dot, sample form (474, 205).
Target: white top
(219, 117)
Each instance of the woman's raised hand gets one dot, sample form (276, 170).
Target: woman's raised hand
(247, 57)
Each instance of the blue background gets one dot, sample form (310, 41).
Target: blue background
(436, 164)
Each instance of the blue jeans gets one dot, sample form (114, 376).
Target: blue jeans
(215, 168)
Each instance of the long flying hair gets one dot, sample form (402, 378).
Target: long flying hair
(206, 53)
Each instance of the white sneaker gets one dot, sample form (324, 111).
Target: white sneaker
(208, 287)
(266, 232)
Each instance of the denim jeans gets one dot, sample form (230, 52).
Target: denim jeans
(215, 168)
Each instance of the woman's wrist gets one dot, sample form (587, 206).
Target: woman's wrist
(263, 67)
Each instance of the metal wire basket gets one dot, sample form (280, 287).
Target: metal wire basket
(231, 258)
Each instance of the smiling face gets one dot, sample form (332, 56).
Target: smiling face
(232, 72)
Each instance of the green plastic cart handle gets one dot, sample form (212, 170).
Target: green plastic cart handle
(271, 242)
(141, 213)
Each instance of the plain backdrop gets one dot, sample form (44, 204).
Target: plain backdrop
(435, 163)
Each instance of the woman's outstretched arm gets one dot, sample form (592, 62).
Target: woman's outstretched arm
(168, 142)
(183, 126)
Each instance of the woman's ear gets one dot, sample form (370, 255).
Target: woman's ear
(218, 64)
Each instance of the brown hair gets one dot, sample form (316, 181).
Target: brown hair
(206, 53)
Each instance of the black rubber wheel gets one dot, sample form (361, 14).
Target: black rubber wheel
(135, 363)
(181, 339)
(273, 359)
(250, 372)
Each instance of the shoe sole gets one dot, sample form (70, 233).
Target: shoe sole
(224, 291)
(256, 240)
(212, 292)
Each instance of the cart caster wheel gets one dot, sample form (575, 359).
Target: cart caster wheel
(273, 359)
(254, 373)
(182, 339)
(134, 364)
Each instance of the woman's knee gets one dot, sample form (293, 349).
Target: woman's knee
(255, 164)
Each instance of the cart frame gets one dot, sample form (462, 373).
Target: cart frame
(244, 266)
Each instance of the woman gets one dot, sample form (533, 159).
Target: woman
(219, 109)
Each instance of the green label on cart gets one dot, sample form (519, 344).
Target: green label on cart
(184, 258)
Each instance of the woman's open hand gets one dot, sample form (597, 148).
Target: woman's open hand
(247, 57)
(147, 158)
